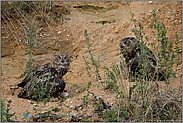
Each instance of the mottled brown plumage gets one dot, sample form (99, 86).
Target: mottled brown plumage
(48, 76)
(135, 54)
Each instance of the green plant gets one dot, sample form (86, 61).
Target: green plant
(5, 111)
(29, 51)
(143, 100)
(166, 58)
(39, 91)
(166, 55)
(95, 63)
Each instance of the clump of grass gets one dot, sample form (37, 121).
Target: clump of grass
(6, 116)
(146, 102)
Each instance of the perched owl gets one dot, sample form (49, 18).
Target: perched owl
(135, 54)
(48, 76)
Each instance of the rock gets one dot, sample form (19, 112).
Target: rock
(9, 100)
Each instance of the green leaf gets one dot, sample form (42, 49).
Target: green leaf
(33, 60)
(85, 97)
(26, 54)
(89, 84)
(98, 85)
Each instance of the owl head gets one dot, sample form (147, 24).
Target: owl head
(129, 47)
(128, 43)
(62, 61)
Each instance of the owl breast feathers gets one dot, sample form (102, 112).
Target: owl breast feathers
(135, 53)
(45, 79)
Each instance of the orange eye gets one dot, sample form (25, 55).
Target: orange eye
(59, 58)
(65, 58)
(125, 43)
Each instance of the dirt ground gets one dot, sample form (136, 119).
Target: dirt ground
(67, 37)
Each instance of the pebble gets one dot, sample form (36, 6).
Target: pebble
(72, 106)
(80, 108)
(9, 100)
(59, 32)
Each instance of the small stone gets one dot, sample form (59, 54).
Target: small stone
(80, 108)
(150, 1)
(72, 106)
(17, 120)
(9, 100)
(59, 32)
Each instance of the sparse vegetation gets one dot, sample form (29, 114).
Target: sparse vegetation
(6, 116)
(30, 50)
(144, 101)
(38, 92)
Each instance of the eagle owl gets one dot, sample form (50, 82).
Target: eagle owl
(135, 53)
(47, 77)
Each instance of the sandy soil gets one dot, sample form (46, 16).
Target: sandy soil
(68, 38)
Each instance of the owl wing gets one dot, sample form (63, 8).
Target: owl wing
(54, 87)
(46, 79)
(38, 71)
